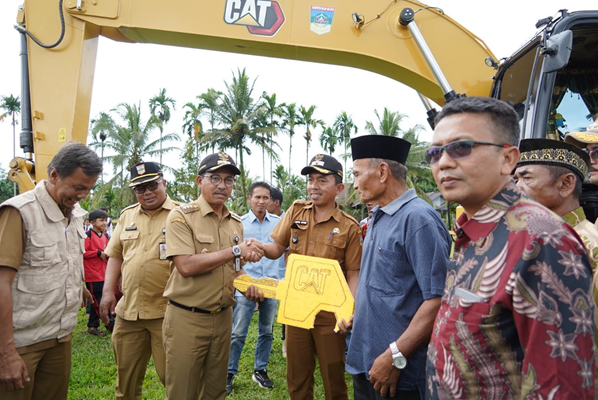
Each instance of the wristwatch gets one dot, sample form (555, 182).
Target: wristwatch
(398, 359)
(237, 254)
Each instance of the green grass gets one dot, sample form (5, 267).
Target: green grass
(93, 372)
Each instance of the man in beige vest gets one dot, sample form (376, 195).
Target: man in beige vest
(41, 276)
(137, 252)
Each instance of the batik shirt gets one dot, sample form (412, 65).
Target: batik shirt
(516, 317)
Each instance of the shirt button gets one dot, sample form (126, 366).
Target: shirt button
(311, 242)
(145, 249)
(149, 233)
(141, 266)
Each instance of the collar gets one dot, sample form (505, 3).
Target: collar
(252, 217)
(50, 207)
(335, 214)
(167, 205)
(394, 206)
(575, 217)
(479, 226)
(205, 208)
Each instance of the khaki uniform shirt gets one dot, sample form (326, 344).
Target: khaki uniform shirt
(136, 240)
(47, 250)
(337, 237)
(196, 229)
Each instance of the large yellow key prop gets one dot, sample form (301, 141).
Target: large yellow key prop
(311, 285)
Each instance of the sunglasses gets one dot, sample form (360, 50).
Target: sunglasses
(592, 153)
(456, 150)
(151, 186)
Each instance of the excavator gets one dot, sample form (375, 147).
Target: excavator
(551, 81)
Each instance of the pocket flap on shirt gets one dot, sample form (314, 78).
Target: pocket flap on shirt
(129, 235)
(204, 239)
(40, 282)
(43, 239)
(337, 242)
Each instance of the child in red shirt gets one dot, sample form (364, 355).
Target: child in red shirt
(94, 262)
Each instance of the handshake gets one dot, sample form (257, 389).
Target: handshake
(252, 250)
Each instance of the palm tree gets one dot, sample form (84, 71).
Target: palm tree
(210, 102)
(290, 118)
(328, 140)
(273, 110)
(238, 112)
(388, 125)
(344, 125)
(160, 108)
(307, 118)
(102, 127)
(130, 143)
(11, 106)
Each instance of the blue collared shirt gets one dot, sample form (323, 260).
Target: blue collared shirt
(404, 262)
(253, 229)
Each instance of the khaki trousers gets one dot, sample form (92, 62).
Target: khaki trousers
(303, 346)
(133, 343)
(197, 349)
(49, 372)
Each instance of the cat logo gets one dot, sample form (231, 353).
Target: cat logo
(311, 280)
(261, 17)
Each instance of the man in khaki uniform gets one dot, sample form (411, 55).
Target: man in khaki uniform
(319, 228)
(205, 245)
(41, 276)
(137, 252)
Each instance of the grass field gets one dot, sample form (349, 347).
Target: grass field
(93, 372)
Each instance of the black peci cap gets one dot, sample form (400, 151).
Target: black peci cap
(323, 164)
(143, 172)
(554, 152)
(216, 161)
(380, 146)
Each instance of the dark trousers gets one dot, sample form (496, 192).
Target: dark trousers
(96, 288)
(364, 390)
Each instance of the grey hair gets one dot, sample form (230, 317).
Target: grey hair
(398, 170)
(75, 155)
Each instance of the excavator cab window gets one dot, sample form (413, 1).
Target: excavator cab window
(574, 100)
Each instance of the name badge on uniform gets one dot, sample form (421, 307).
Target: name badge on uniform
(162, 245)
(298, 222)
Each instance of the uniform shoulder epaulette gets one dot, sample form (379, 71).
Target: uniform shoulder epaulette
(189, 208)
(178, 203)
(235, 216)
(301, 203)
(352, 218)
(128, 208)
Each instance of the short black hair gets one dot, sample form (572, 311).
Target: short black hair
(75, 155)
(95, 214)
(104, 208)
(276, 194)
(261, 184)
(503, 116)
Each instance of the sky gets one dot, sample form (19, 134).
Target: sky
(133, 73)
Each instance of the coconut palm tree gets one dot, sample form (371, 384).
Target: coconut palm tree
(306, 118)
(130, 143)
(388, 124)
(328, 139)
(160, 108)
(273, 111)
(290, 118)
(11, 106)
(344, 125)
(102, 127)
(210, 102)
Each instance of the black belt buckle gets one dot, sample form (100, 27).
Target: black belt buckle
(194, 309)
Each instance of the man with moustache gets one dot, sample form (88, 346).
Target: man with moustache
(402, 275)
(257, 224)
(206, 248)
(319, 228)
(41, 276)
(516, 315)
(136, 251)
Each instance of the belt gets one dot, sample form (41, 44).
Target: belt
(194, 309)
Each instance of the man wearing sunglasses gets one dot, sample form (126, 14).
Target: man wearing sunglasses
(516, 315)
(205, 244)
(588, 141)
(405, 254)
(551, 172)
(136, 251)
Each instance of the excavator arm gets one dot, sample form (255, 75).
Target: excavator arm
(365, 35)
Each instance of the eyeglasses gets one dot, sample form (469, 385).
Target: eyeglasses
(592, 153)
(456, 150)
(216, 179)
(152, 186)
